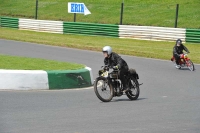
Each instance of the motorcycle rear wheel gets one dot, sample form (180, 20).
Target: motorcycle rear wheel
(134, 91)
(103, 90)
(190, 65)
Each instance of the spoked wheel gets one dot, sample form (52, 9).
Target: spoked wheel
(103, 89)
(134, 91)
(190, 65)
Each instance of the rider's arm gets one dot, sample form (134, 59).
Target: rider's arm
(119, 60)
(186, 49)
(174, 51)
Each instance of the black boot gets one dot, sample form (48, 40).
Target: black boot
(125, 88)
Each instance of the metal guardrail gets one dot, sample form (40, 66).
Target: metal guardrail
(91, 29)
(9, 22)
(193, 35)
(151, 33)
(41, 25)
(122, 31)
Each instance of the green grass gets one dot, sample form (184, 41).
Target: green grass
(150, 49)
(23, 63)
(136, 12)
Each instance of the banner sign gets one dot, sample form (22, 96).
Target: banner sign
(78, 8)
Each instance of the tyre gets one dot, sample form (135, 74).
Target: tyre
(190, 65)
(134, 91)
(103, 90)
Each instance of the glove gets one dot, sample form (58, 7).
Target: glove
(115, 67)
(100, 72)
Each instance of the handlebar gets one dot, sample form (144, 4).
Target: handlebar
(186, 52)
(106, 67)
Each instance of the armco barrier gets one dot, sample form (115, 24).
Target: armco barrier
(151, 33)
(43, 80)
(122, 31)
(193, 35)
(9, 22)
(41, 25)
(90, 29)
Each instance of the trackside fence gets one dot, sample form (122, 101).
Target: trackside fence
(151, 33)
(41, 25)
(90, 29)
(193, 35)
(9, 22)
(121, 31)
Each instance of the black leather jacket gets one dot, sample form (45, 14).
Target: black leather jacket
(179, 50)
(115, 60)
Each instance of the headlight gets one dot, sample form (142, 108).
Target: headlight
(185, 56)
(105, 74)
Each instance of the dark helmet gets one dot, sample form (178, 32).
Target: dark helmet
(179, 41)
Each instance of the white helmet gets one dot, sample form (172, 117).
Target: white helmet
(107, 49)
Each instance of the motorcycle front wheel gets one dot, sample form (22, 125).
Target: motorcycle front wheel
(134, 89)
(103, 90)
(190, 65)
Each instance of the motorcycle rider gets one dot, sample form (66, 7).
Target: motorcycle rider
(113, 60)
(178, 50)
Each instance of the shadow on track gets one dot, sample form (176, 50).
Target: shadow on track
(118, 100)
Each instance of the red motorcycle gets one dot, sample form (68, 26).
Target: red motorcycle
(184, 61)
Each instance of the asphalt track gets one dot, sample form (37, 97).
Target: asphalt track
(169, 101)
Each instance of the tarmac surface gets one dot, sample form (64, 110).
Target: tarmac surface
(169, 101)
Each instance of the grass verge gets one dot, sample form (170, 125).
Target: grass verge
(142, 48)
(24, 63)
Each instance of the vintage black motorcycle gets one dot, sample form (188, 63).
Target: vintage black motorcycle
(108, 84)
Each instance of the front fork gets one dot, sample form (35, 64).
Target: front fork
(186, 62)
